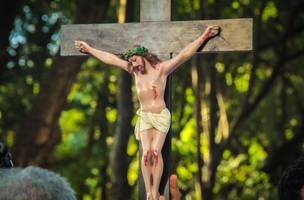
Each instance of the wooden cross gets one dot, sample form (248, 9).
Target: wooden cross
(162, 37)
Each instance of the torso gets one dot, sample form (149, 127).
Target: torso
(150, 88)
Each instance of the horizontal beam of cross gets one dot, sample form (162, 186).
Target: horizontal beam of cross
(160, 38)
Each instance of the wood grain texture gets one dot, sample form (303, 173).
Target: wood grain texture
(160, 38)
(155, 10)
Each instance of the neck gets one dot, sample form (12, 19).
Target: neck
(151, 62)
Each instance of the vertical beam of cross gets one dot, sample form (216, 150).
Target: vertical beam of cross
(150, 11)
(159, 10)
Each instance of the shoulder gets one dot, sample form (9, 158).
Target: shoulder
(165, 67)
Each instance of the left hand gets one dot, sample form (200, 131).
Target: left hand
(211, 31)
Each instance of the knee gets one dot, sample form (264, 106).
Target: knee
(145, 156)
(156, 155)
(146, 152)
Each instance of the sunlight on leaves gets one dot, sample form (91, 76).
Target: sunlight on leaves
(242, 79)
(36, 88)
(288, 134)
(235, 5)
(257, 154)
(241, 83)
(133, 171)
(220, 67)
(183, 173)
(70, 120)
(111, 114)
(188, 132)
(132, 146)
(270, 11)
(189, 95)
(228, 79)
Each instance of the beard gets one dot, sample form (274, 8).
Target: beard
(141, 68)
(138, 66)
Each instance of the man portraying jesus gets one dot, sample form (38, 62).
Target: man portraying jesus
(150, 75)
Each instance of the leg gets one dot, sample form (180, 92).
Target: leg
(157, 169)
(146, 139)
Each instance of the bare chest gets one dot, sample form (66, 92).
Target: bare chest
(151, 79)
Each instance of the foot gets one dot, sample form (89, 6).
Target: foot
(149, 196)
(155, 196)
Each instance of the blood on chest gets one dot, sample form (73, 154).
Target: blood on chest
(154, 92)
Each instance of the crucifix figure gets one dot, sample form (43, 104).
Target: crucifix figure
(150, 65)
(150, 74)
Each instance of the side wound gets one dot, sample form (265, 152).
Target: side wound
(154, 92)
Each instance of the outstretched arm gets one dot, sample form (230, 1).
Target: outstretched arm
(170, 65)
(104, 56)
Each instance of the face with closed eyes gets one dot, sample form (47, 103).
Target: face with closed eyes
(137, 62)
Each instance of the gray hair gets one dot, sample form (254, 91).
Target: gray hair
(33, 183)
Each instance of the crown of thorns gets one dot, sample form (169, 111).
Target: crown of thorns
(140, 51)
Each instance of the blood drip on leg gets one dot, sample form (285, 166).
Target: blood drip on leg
(151, 180)
(145, 159)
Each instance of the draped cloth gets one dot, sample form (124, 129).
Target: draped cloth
(146, 120)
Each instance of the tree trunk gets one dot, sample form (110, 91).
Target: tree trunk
(119, 160)
(37, 131)
(104, 129)
(211, 165)
(198, 118)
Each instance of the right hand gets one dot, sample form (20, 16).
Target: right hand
(82, 46)
(212, 31)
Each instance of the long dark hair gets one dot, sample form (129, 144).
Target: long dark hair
(152, 59)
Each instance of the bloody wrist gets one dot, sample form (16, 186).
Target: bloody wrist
(208, 35)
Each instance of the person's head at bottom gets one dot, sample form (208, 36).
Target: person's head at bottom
(291, 184)
(33, 183)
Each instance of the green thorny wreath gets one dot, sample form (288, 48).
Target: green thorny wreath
(140, 51)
